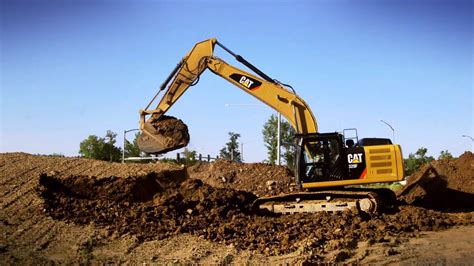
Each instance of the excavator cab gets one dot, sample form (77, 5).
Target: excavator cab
(325, 160)
(319, 157)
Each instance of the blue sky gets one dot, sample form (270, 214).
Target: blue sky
(70, 69)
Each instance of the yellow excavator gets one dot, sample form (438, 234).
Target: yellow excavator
(329, 167)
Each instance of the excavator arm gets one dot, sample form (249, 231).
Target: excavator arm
(280, 97)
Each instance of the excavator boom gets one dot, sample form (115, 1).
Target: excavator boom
(157, 137)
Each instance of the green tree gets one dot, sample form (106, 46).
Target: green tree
(189, 156)
(289, 156)
(131, 148)
(94, 147)
(415, 161)
(445, 155)
(231, 149)
(270, 138)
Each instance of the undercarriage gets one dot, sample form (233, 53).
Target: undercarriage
(363, 200)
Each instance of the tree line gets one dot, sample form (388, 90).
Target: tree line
(104, 148)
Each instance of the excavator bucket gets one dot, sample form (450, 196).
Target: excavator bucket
(423, 187)
(162, 135)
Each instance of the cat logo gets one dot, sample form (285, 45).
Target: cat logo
(247, 82)
(354, 158)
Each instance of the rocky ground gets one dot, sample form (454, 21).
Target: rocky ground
(67, 210)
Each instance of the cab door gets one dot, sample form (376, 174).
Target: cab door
(320, 158)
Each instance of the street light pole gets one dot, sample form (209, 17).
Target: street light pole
(469, 137)
(279, 139)
(393, 130)
(124, 139)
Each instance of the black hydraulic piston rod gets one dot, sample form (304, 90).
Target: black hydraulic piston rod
(247, 63)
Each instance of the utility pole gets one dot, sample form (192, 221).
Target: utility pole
(279, 139)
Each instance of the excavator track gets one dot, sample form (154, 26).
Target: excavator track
(368, 201)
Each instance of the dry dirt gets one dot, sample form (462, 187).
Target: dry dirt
(76, 210)
(259, 178)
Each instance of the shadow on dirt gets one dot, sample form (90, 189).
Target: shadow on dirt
(431, 190)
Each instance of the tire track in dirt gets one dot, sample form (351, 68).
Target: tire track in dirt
(25, 213)
(68, 169)
(34, 231)
(18, 195)
(25, 227)
(7, 165)
(8, 175)
(42, 232)
(21, 184)
(43, 242)
(29, 229)
(9, 158)
(31, 202)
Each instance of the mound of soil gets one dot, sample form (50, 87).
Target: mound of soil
(259, 178)
(131, 189)
(152, 206)
(459, 173)
(442, 184)
(158, 206)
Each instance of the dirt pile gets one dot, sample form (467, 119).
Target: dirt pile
(459, 172)
(165, 134)
(131, 189)
(442, 184)
(154, 206)
(258, 178)
(159, 207)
